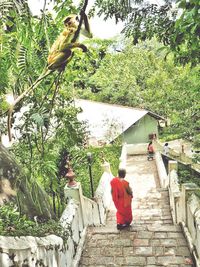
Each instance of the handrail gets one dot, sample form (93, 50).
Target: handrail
(185, 208)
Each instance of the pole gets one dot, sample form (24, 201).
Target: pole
(91, 179)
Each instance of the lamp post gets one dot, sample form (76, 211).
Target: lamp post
(89, 158)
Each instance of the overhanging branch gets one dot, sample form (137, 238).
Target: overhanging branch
(81, 21)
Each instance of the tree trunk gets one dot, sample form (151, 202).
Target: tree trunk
(32, 200)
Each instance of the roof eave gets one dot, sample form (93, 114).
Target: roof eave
(156, 116)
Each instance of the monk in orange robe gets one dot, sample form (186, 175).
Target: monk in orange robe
(122, 198)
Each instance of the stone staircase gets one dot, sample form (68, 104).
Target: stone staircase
(152, 240)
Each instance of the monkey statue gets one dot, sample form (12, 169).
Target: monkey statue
(61, 51)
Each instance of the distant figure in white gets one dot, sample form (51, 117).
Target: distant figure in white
(166, 149)
(104, 188)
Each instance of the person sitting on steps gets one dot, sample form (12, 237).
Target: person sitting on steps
(151, 151)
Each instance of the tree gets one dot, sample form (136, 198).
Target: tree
(15, 42)
(141, 77)
(31, 199)
(176, 26)
(49, 114)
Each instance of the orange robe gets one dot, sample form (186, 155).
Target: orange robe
(122, 200)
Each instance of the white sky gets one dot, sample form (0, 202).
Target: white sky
(99, 27)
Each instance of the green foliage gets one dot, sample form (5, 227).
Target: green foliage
(3, 105)
(22, 58)
(186, 37)
(118, 9)
(177, 27)
(41, 137)
(10, 10)
(85, 65)
(13, 224)
(81, 167)
(18, 55)
(115, 78)
(141, 77)
(187, 175)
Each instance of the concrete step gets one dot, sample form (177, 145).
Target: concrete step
(138, 246)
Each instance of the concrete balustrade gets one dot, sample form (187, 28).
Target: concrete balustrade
(174, 191)
(162, 174)
(51, 250)
(185, 208)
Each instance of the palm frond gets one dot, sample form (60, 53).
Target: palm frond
(5, 7)
(19, 5)
(22, 58)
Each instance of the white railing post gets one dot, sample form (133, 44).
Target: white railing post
(190, 219)
(75, 193)
(122, 159)
(185, 206)
(174, 191)
(172, 165)
(186, 191)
